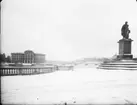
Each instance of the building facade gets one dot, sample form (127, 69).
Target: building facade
(17, 57)
(39, 58)
(27, 57)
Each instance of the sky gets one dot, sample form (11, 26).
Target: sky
(67, 29)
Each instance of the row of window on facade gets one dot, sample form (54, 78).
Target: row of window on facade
(27, 57)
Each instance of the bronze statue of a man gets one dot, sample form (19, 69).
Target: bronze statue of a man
(125, 31)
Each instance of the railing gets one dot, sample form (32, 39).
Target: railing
(64, 68)
(25, 71)
(30, 70)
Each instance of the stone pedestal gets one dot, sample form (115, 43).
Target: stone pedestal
(125, 49)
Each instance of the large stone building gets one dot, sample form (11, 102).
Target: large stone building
(17, 57)
(40, 58)
(27, 57)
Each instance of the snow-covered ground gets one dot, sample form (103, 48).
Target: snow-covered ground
(83, 85)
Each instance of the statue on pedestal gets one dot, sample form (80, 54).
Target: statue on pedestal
(125, 30)
(125, 43)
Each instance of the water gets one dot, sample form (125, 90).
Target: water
(83, 85)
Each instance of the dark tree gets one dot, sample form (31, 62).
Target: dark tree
(2, 58)
(8, 59)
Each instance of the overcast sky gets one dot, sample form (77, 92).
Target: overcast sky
(67, 29)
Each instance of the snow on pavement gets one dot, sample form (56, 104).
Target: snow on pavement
(83, 85)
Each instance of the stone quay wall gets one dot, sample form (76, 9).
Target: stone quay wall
(9, 71)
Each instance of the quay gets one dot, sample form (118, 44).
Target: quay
(9, 71)
(29, 70)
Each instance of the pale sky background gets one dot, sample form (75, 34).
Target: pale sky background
(67, 29)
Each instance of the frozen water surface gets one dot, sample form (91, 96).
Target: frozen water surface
(83, 85)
